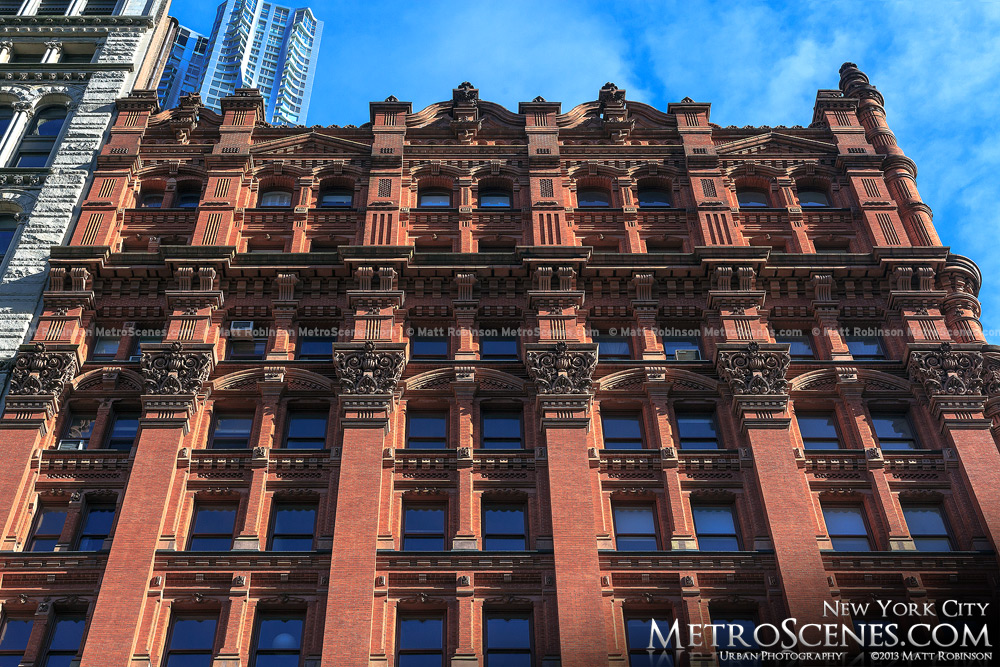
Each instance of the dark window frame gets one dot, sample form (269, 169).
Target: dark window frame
(15, 652)
(615, 440)
(620, 536)
(336, 191)
(411, 439)
(267, 615)
(606, 339)
(434, 192)
(488, 504)
(852, 536)
(282, 504)
(804, 339)
(582, 203)
(890, 443)
(402, 651)
(325, 356)
(500, 411)
(495, 192)
(511, 614)
(86, 533)
(200, 505)
(641, 653)
(218, 415)
(748, 203)
(414, 340)
(880, 353)
(647, 189)
(486, 340)
(441, 505)
(735, 535)
(37, 538)
(689, 442)
(289, 420)
(47, 650)
(926, 538)
(274, 191)
(117, 442)
(819, 442)
(813, 190)
(169, 651)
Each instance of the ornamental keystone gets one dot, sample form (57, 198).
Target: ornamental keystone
(369, 370)
(38, 372)
(947, 372)
(562, 371)
(754, 371)
(172, 370)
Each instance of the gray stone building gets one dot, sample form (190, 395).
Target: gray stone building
(63, 63)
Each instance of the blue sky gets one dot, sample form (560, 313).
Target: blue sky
(936, 63)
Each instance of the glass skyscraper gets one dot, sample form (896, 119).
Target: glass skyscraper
(254, 44)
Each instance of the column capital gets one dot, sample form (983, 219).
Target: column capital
(39, 371)
(560, 369)
(170, 369)
(366, 369)
(755, 369)
(947, 372)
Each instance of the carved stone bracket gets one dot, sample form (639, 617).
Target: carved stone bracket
(754, 371)
(947, 372)
(562, 370)
(39, 372)
(170, 369)
(369, 370)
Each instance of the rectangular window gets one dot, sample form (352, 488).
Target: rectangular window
(893, 430)
(191, 642)
(65, 637)
(508, 639)
(96, 527)
(865, 347)
(279, 640)
(504, 527)
(231, 431)
(294, 525)
(622, 430)
(501, 430)
(735, 637)
(76, 435)
(123, 431)
(420, 641)
(697, 430)
(846, 527)
(14, 640)
(316, 348)
(613, 347)
(105, 348)
(429, 347)
(423, 527)
(819, 430)
(247, 349)
(306, 430)
(688, 346)
(212, 527)
(635, 528)
(48, 527)
(137, 344)
(799, 347)
(638, 631)
(927, 527)
(427, 430)
(32, 159)
(715, 527)
(498, 348)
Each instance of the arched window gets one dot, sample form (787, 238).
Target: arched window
(151, 200)
(749, 197)
(336, 198)
(8, 226)
(41, 137)
(813, 197)
(653, 197)
(6, 116)
(187, 197)
(275, 198)
(434, 198)
(494, 198)
(593, 198)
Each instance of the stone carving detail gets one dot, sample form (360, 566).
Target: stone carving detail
(948, 372)
(754, 371)
(368, 370)
(466, 93)
(991, 375)
(38, 372)
(175, 370)
(562, 371)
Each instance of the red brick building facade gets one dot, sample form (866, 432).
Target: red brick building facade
(467, 386)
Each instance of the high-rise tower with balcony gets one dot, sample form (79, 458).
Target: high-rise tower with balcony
(253, 44)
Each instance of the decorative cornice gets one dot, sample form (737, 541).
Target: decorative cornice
(38, 372)
(561, 370)
(173, 370)
(368, 370)
(753, 371)
(947, 372)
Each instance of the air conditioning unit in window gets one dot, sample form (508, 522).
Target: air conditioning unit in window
(66, 444)
(687, 355)
(241, 328)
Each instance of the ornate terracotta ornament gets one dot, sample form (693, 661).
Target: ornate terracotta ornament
(39, 372)
(562, 371)
(175, 370)
(369, 370)
(754, 371)
(947, 372)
